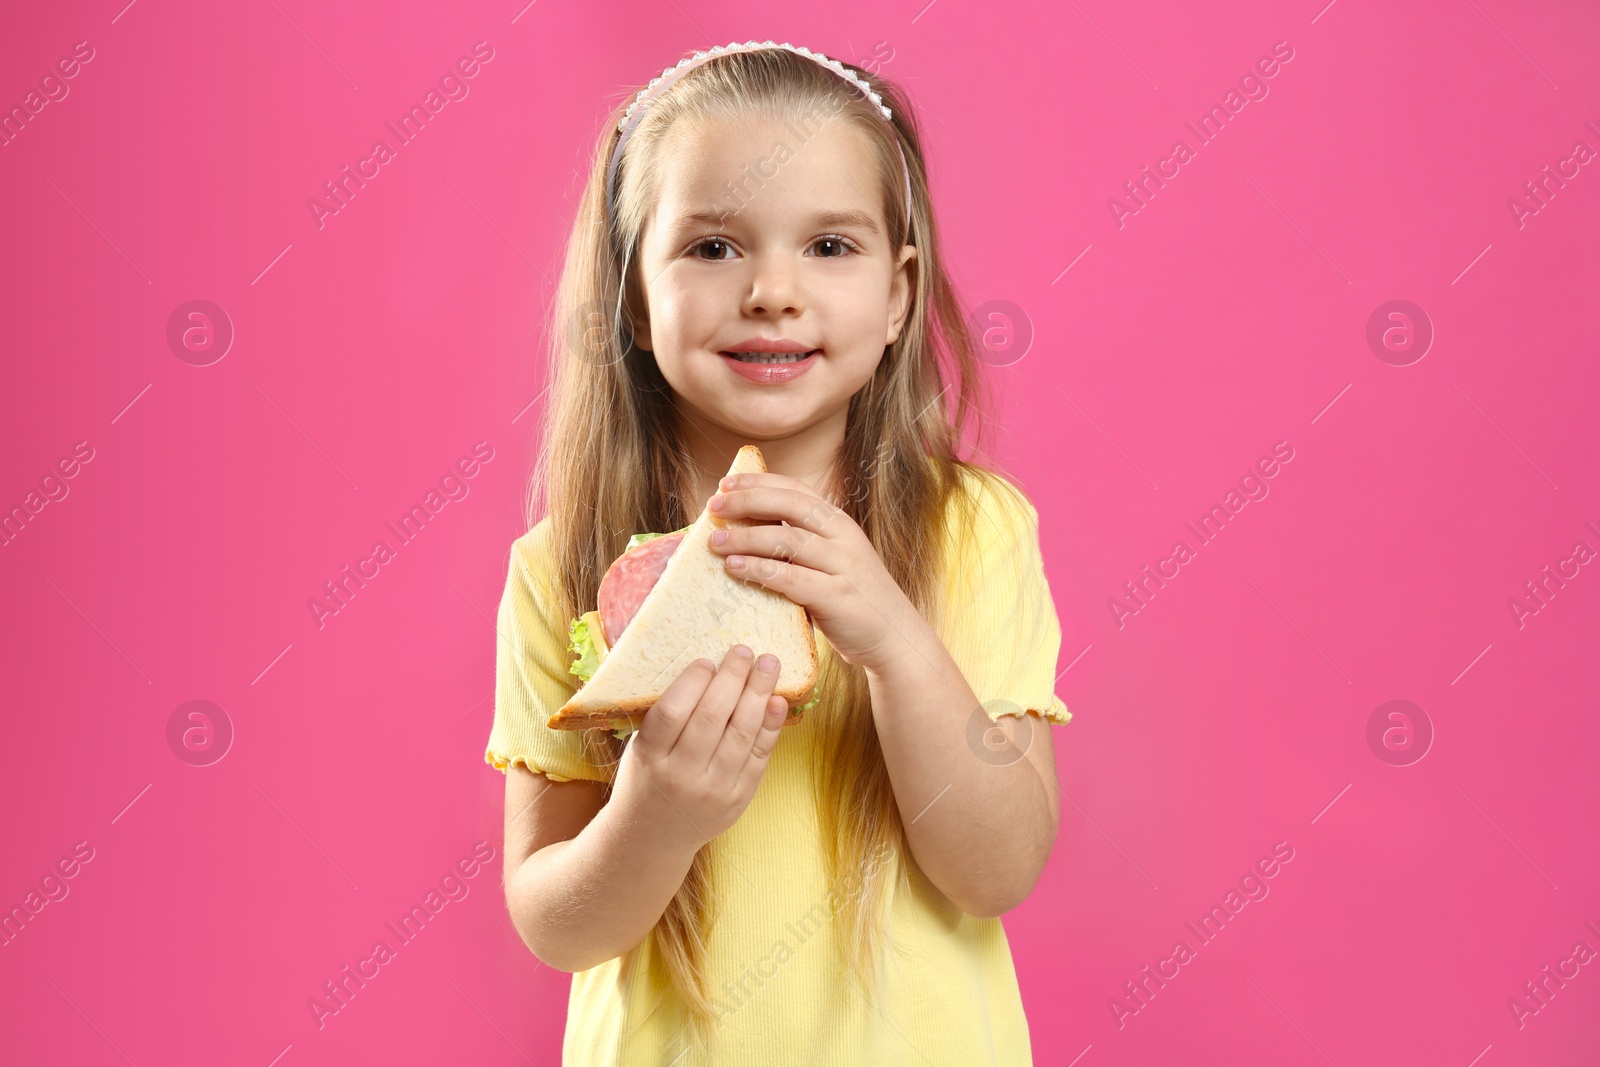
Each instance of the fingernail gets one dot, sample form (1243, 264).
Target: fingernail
(768, 662)
(716, 503)
(742, 651)
(719, 537)
(736, 562)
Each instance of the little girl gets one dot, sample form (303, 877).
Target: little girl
(755, 260)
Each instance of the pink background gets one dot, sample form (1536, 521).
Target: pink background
(1228, 314)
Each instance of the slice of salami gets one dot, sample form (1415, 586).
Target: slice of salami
(629, 580)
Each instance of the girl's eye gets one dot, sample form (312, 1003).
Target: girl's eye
(844, 247)
(840, 247)
(713, 242)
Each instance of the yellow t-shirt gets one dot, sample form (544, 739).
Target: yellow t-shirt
(950, 990)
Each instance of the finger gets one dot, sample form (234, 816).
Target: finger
(765, 480)
(803, 585)
(664, 722)
(777, 711)
(744, 725)
(704, 728)
(805, 510)
(789, 544)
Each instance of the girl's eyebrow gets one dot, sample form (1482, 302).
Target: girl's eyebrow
(821, 220)
(845, 220)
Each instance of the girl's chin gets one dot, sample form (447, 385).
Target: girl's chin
(771, 417)
(776, 420)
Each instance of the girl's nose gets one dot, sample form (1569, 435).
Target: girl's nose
(775, 289)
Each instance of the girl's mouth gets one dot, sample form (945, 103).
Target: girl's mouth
(771, 357)
(770, 368)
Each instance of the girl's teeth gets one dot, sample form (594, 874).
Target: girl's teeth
(769, 357)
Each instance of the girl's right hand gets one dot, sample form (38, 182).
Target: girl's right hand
(698, 756)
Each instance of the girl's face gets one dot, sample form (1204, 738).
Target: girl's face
(767, 231)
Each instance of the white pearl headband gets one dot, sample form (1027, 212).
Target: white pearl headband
(646, 96)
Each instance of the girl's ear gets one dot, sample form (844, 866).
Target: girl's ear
(901, 286)
(641, 334)
(638, 320)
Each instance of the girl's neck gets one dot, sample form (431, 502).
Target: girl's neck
(808, 455)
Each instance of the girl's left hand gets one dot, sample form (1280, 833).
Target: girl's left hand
(822, 561)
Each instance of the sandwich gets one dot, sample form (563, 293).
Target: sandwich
(667, 601)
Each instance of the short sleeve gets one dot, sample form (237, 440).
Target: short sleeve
(1000, 619)
(531, 680)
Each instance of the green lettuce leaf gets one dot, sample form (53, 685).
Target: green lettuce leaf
(583, 646)
(640, 538)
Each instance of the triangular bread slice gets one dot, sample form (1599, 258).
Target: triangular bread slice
(696, 609)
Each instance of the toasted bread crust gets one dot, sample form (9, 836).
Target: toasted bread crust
(574, 715)
(597, 721)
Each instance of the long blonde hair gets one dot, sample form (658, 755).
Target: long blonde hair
(611, 462)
